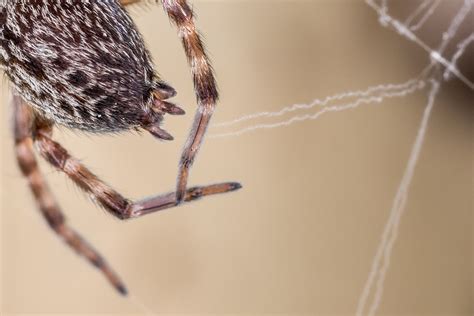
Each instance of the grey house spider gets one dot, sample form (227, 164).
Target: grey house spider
(83, 64)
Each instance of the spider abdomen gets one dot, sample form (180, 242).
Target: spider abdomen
(80, 63)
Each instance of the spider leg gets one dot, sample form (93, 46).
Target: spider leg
(107, 197)
(205, 86)
(181, 14)
(102, 193)
(161, 202)
(23, 129)
(29, 129)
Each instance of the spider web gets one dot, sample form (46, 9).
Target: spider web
(373, 94)
(440, 69)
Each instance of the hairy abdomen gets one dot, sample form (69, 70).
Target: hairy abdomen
(80, 63)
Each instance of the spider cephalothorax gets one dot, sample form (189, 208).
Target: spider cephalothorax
(84, 65)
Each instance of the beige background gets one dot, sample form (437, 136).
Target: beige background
(301, 235)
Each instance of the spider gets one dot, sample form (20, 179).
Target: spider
(83, 64)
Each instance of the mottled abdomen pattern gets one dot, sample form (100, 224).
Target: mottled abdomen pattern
(80, 63)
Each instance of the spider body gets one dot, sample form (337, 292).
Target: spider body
(84, 65)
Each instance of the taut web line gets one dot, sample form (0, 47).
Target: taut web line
(390, 232)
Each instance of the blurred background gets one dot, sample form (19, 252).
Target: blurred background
(300, 237)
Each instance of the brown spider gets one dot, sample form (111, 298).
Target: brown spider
(83, 64)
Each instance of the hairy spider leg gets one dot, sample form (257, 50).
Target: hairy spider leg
(24, 123)
(29, 126)
(181, 14)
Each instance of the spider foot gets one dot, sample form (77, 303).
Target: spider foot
(122, 289)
